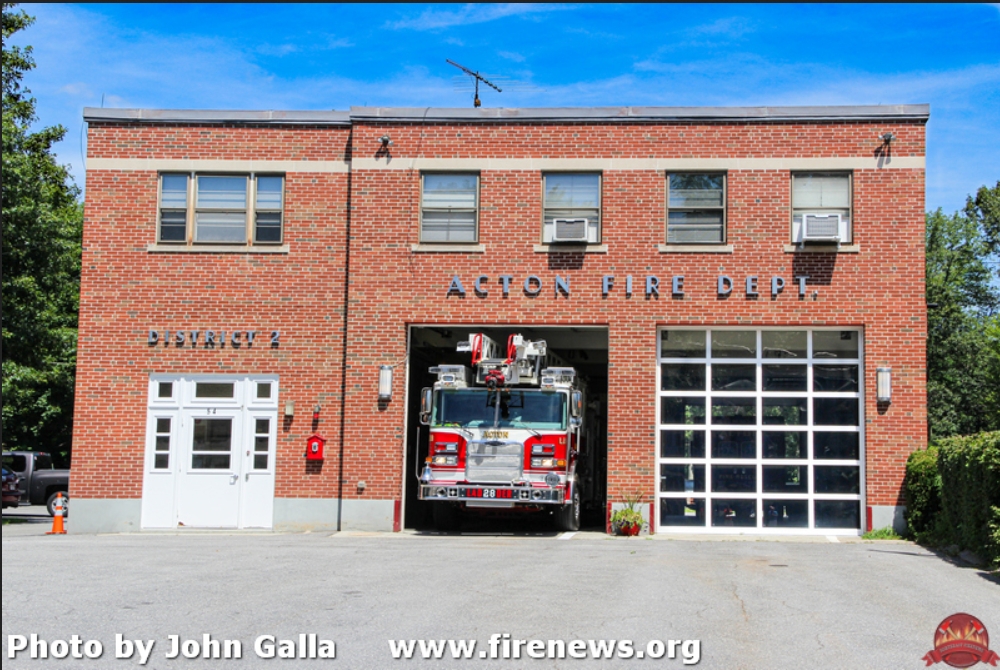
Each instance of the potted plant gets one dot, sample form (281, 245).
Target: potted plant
(628, 520)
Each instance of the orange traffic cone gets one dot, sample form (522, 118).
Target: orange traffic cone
(57, 520)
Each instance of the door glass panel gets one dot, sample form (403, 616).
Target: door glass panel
(835, 378)
(689, 478)
(734, 344)
(784, 377)
(682, 511)
(786, 513)
(838, 479)
(734, 377)
(734, 479)
(786, 411)
(212, 437)
(734, 513)
(786, 478)
(682, 344)
(783, 343)
(682, 377)
(682, 444)
(263, 390)
(214, 390)
(837, 446)
(682, 410)
(161, 457)
(784, 445)
(734, 444)
(261, 442)
(165, 390)
(734, 411)
(835, 344)
(838, 513)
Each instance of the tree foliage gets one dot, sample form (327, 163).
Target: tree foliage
(963, 339)
(42, 223)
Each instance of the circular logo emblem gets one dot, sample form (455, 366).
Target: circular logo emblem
(961, 641)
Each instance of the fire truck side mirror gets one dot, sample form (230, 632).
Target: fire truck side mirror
(576, 404)
(426, 396)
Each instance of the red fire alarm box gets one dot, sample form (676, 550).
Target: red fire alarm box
(314, 448)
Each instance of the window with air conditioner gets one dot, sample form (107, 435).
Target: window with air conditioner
(572, 209)
(245, 209)
(449, 208)
(696, 208)
(821, 207)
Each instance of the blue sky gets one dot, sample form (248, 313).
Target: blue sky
(333, 56)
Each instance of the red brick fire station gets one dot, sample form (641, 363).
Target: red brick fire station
(264, 294)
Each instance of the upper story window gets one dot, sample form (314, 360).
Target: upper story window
(696, 208)
(821, 207)
(572, 208)
(221, 209)
(449, 208)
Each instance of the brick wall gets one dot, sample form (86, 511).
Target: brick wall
(126, 289)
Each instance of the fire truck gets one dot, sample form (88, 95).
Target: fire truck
(505, 434)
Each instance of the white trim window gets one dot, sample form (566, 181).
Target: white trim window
(821, 207)
(761, 430)
(221, 209)
(571, 208)
(696, 208)
(449, 208)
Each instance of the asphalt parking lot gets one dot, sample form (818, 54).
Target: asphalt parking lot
(790, 603)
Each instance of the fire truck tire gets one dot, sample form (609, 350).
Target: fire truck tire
(447, 517)
(568, 516)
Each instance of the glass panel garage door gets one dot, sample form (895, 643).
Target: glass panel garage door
(760, 430)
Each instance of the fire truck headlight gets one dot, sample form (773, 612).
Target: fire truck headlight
(543, 462)
(445, 460)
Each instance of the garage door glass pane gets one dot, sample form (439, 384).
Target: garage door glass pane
(784, 377)
(835, 344)
(786, 513)
(837, 446)
(835, 378)
(785, 478)
(838, 479)
(734, 479)
(836, 411)
(682, 444)
(734, 513)
(734, 344)
(682, 344)
(786, 411)
(734, 377)
(682, 511)
(783, 343)
(734, 444)
(679, 478)
(682, 377)
(682, 410)
(784, 445)
(838, 513)
(728, 411)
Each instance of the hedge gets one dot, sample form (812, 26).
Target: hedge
(922, 488)
(970, 491)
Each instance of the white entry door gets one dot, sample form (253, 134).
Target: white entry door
(210, 452)
(211, 469)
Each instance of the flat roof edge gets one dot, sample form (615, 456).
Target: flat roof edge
(920, 112)
(269, 117)
(917, 112)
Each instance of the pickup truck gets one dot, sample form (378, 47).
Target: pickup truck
(40, 482)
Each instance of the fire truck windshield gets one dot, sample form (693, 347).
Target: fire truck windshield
(519, 408)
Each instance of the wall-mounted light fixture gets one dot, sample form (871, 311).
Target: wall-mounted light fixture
(888, 137)
(385, 382)
(289, 408)
(883, 384)
(386, 141)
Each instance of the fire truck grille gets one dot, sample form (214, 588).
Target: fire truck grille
(494, 462)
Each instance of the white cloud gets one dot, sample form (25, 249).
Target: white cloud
(436, 19)
(734, 26)
(510, 55)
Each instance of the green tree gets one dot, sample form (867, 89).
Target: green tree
(42, 223)
(963, 339)
(984, 209)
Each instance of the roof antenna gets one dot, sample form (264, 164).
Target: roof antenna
(476, 102)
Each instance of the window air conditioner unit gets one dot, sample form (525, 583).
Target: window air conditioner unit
(819, 227)
(569, 230)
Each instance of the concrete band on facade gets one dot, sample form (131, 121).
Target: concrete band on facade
(269, 345)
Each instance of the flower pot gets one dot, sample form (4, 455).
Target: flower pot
(628, 529)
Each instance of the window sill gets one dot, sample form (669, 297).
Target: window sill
(571, 248)
(822, 249)
(695, 248)
(448, 248)
(217, 249)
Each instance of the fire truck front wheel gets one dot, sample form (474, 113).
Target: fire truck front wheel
(447, 516)
(568, 516)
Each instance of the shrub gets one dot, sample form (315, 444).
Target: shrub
(922, 488)
(970, 492)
